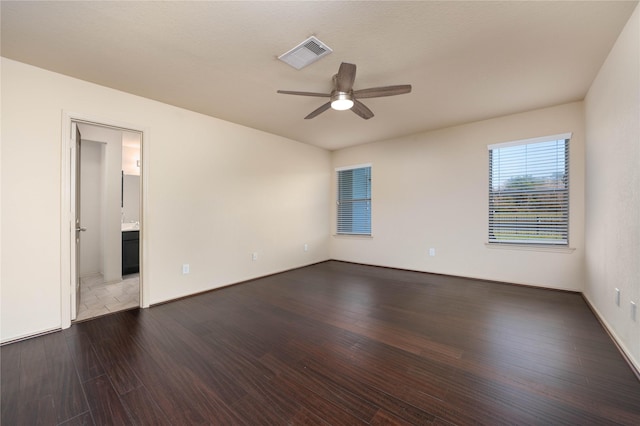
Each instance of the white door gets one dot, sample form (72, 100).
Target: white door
(77, 228)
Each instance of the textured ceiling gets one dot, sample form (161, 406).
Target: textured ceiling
(467, 61)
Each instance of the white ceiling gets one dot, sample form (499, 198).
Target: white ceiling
(467, 61)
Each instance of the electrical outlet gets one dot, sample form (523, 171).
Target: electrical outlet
(306, 247)
(254, 256)
(432, 252)
(617, 297)
(185, 269)
(634, 309)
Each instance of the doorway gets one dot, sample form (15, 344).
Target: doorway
(105, 200)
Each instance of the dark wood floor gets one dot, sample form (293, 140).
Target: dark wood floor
(333, 343)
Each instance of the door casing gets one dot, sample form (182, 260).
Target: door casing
(67, 216)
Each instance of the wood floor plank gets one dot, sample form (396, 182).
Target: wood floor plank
(346, 378)
(209, 402)
(114, 360)
(200, 359)
(83, 419)
(323, 408)
(35, 403)
(330, 344)
(305, 417)
(47, 411)
(34, 375)
(86, 360)
(39, 412)
(106, 407)
(189, 388)
(254, 411)
(382, 418)
(143, 408)
(339, 396)
(66, 390)
(173, 392)
(10, 389)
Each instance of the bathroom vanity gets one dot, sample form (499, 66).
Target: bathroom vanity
(130, 249)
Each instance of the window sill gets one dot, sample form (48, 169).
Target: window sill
(530, 247)
(356, 236)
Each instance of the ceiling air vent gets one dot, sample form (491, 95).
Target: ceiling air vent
(305, 53)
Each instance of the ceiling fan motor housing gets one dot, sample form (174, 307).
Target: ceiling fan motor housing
(341, 100)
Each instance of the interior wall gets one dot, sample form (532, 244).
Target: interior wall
(216, 193)
(130, 154)
(91, 208)
(430, 190)
(612, 110)
(130, 198)
(111, 197)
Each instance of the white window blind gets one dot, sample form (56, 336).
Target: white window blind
(354, 201)
(529, 191)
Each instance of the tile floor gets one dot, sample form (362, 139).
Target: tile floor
(100, 298)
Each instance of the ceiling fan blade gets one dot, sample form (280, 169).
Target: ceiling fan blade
(378, 92)
(360, 109)
(345, 77)
(291, 92)
(318, 111)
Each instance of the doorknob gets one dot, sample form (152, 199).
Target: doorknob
(80, 229)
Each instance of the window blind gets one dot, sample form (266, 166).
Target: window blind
(529, 191)
(354, 201)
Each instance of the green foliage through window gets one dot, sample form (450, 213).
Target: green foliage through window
(354, 201)
(529, 192)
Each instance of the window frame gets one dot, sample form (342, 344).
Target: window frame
(563, 207)
(368, 201)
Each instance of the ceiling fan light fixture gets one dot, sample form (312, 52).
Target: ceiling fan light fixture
(341, 101)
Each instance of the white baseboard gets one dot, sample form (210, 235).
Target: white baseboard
(29, 335)
(626, 353)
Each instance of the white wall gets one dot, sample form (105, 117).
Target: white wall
(131, 198)
(130, 155)
(216, 192)
(612, 111)
(91, 208)
(111, 193)
(431, 190)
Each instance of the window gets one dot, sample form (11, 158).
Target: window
(529, 191)
(354, 200)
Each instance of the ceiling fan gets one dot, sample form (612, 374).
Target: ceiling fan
(343, 96)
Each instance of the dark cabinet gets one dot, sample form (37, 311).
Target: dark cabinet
(130, 252)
